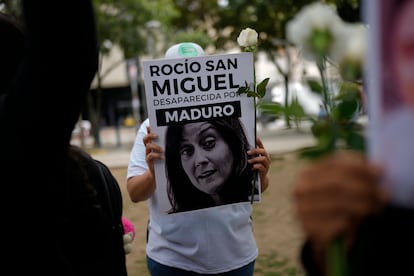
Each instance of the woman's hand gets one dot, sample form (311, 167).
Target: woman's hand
(152, 150)
(141, 187)
(261, 162)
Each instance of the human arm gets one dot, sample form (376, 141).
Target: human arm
(141, 187)
(332, 197)
(141, 177)
(260, 162)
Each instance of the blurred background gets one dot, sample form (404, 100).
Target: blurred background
(130, 31)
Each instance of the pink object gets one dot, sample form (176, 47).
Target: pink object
(128, 226)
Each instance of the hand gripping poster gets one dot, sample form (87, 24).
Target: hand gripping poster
(390, 76)
(205, 129)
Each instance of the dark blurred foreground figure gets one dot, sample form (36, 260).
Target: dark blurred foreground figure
(45, 72)
(340, 196)
(92, 235)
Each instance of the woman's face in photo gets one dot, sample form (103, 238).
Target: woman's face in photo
(404, 52)
(205, 156)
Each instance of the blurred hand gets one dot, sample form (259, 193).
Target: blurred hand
(333, 195)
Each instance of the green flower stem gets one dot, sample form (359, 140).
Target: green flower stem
(253, 50)
(336, 259)
(254, 102)
(325, 93)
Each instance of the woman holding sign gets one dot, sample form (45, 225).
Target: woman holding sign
(206, 241)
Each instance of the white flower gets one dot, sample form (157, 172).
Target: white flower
(351, 43)
(247, 38)
(314, 29)
(350, 51)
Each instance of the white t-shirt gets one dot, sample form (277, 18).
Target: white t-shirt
(211, 240)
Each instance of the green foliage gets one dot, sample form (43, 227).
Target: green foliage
(271, 108)
(197, 37)
(295, 111)
(125, 23)
(315, 87)
(258, 91)
(339, 130)
(261, 88)
(222, 23)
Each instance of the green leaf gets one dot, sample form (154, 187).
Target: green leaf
(348, 91)
(319, 127)
(356, 141)
(326, 133)
(242, 90)
(261, 87)
(351, 70)
(251, 94)
(313, 152)
(345, 110)
(271, 108)
(315, 87)
(295, 109)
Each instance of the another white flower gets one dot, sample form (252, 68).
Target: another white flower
(350, 51)
(314, 29)
(247, 38)
(351, 43)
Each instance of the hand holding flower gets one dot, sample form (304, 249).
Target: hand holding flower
(332, 196)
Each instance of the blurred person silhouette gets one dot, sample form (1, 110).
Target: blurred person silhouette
(369, 202)
(209, 241)
(47, 63)
(92, 235)
(207, 164)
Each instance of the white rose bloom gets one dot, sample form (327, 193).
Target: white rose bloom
(248, 37)
(351, 43)
(315, 16)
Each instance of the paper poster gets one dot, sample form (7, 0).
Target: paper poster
(390, 77)
(205, 128)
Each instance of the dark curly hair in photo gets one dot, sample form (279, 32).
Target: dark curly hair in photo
(183, 195)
